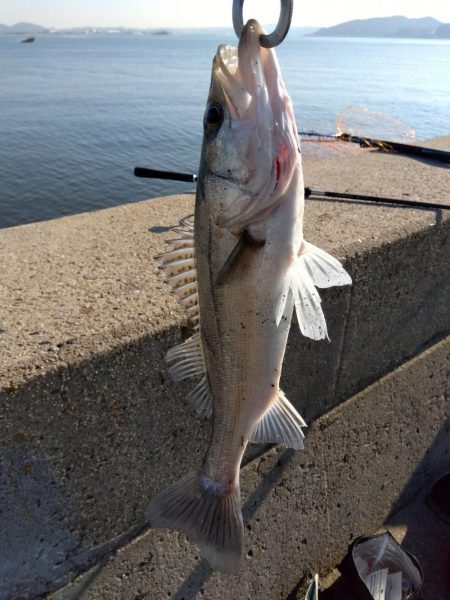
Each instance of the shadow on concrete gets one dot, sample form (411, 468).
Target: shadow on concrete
(85, 445)
(426, 537)
(83, 448)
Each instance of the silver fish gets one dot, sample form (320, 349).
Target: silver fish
(239, 268)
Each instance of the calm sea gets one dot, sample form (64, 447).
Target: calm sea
(77, 113)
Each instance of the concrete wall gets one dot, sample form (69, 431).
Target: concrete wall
(91, 426)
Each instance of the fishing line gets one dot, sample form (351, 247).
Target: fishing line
(309, 192)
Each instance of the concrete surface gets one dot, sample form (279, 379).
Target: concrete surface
(91, 426)
(420, 532)
(363, 463)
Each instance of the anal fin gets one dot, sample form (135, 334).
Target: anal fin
(281, 424)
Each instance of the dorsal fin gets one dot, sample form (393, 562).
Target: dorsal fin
(187, 359)
(179, 267)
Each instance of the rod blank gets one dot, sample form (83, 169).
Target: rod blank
(155, 174)
(314, 192)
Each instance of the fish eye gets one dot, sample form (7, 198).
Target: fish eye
(213, 116)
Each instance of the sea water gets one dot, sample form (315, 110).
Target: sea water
(78, 113)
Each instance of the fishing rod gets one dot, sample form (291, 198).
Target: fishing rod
(384, 145)
(355, 121)
(309, 192)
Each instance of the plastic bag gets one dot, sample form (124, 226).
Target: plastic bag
(379, 568)
(312, 593)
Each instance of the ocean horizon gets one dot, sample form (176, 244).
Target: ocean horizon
(79, 112)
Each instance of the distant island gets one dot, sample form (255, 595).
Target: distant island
(394, 27)
(27, 28)
(22, 28)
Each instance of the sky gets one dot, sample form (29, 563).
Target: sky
(206, 13)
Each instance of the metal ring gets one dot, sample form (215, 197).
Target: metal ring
(277, 36)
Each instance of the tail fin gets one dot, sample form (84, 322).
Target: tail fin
(208, 515)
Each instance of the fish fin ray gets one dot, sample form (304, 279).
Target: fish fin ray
(240, 258)
(201, 398)
(209, 515)
(325, 270)
(307, 303)
(314, 267)
(281, 424)
(280, 306)
(179, 266)
(187, 359)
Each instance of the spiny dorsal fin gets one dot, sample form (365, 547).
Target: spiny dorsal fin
(178, 264)
(187, 359)
(281, 424)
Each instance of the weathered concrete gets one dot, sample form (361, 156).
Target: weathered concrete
(91, 427)
(423, 534)
(363, 462)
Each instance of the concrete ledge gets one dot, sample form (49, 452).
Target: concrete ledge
(91, 427)
(363, 462)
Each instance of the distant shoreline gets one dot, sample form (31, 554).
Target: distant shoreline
(209, 31)
(399, 27)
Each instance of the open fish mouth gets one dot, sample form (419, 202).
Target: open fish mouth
(261, 126)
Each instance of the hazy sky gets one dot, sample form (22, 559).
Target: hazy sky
(204, 13)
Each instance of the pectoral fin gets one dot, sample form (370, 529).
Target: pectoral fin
(240, 258)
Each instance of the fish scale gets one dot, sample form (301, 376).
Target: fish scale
(247, 266)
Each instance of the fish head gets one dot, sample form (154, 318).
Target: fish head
(250, 145)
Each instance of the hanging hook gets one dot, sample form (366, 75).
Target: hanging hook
(277, 36)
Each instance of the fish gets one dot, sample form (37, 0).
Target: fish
(240, 265)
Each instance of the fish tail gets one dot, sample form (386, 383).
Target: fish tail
(209, 514)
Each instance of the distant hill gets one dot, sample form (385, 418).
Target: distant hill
(397, 26)
(304, 30)
(22, 28)
(443, 31)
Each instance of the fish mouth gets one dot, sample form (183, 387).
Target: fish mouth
(259, 120)
(242, 71)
